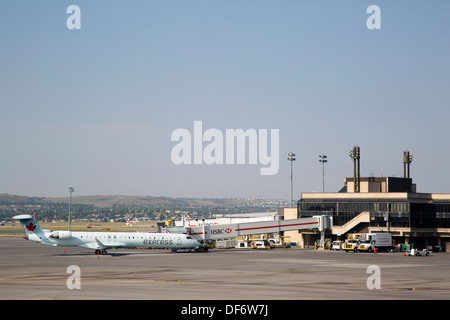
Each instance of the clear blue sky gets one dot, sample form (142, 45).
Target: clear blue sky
(95, 108)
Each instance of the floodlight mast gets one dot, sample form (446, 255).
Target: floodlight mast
(355, 156)
(71, 189)
(291, 158)
(323, 159)
(407, 159)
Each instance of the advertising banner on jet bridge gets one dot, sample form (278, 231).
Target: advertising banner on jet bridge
(222, 231)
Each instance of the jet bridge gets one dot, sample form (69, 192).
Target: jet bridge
(234, 230)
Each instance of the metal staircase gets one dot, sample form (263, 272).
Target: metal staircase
(363, 217)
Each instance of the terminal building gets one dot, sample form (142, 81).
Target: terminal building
(378, 204)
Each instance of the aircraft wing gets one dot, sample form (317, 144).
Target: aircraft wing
(102, 246)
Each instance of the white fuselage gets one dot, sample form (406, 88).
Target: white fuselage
(101, 241)
(94, 240)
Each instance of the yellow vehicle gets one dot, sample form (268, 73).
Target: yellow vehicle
(366, 245)
(350, 245)
(261, 244)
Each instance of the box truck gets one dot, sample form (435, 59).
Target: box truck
(375, 241)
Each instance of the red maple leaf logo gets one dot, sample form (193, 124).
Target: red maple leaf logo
(30, 227)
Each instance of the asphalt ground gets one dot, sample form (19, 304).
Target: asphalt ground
(31, 271)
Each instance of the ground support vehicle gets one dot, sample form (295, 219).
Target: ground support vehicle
(370, 242)
(415, 252)
(261, 244)
(350, 245)
(336, 245)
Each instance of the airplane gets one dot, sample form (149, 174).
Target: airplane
(101, 241)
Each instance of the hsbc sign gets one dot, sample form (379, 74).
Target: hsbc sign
(221, 231)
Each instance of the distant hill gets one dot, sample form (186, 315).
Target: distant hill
(160, 202)
(11, 199)
(105, 201)
(120, 200)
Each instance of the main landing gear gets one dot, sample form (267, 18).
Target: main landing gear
(101, 252)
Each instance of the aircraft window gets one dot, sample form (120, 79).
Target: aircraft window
(188, 238)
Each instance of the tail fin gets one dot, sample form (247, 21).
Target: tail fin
(32, 229)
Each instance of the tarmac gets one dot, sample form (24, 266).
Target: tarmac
(32, 271)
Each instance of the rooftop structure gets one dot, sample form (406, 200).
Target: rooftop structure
(383, 204)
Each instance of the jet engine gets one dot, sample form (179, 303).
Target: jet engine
(62, 235)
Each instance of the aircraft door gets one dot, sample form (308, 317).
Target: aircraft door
(179, 241)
